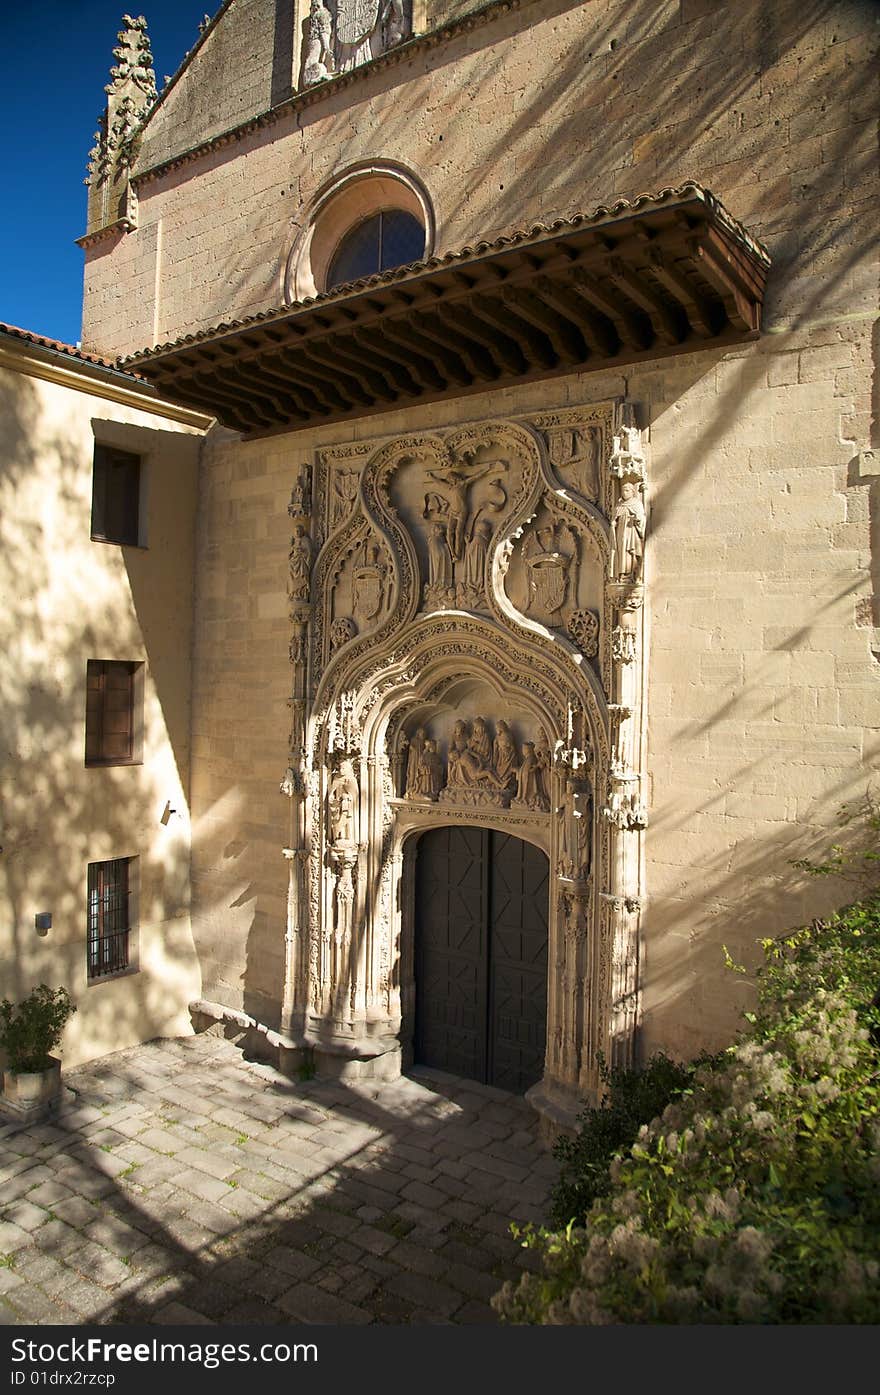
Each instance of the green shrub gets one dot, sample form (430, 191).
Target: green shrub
(633, 1097)
(754, 1197)
(31, 1029)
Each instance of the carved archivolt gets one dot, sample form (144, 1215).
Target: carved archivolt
(474, 647)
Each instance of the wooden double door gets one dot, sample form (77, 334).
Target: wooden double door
(481, 904)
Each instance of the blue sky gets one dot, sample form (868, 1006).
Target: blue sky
(55, 57)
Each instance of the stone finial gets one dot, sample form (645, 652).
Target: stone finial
(131, 92)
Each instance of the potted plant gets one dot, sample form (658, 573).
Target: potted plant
(29, 1032)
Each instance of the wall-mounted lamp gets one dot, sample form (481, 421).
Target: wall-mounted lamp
(43, 922)
(166, 813)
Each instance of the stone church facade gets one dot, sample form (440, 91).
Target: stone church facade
(534, 624)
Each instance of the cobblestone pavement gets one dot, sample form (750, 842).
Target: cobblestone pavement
(184, 1184)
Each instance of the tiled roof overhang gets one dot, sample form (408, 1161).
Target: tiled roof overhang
(661, 275)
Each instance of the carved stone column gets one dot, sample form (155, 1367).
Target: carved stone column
(294, 785)
(624, 808)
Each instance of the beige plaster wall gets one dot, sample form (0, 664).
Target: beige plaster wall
(67, 599)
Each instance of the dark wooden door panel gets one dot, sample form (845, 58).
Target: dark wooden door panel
(452, 951)
(481, 955)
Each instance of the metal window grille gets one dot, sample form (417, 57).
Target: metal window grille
(108, 928)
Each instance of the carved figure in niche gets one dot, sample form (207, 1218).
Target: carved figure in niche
(577, 449)
(504, 756)
(453, 490)
(429, 777)
(341, 806)
(300, 495)
(345, 485)
(480, 741)
(318, 62)
(467, 767)
(344, 901)
(627, 535)
(439, 591)
(576, 830)
(469, 592)
(300, 560)
(416, 747)
(545, 761)
(549, 553)
(368, 583)
(393, 24)
(528, 792)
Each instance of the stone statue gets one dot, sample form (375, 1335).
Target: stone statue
(342, 804)
(318, 62)
(438, 591)
(300, 495)
(416, 747)
(429, 777)
(504, 756)
(300, 560)
(470, 591)
(527, 777)
(393, 23)
(627, 535)
(467, 767)
(480, 741)
(545, 762)
(454, 485)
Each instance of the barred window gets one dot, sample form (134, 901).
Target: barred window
(109, 917)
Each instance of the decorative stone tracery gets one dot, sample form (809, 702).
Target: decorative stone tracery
(466, 610)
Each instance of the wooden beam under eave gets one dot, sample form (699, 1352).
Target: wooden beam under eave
(289, 405)
(597, 330)
(705, 314)
(633, 327)
(407, 332)
(246, 410)
(305, 399)
(329, 394)
(535, 345)
(567, 341)
(391, 365)
(423, 369)
(742, 310)
(503, 346)
(669, 321)
(340, 360)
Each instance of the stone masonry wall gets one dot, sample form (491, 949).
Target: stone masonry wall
(763, 681)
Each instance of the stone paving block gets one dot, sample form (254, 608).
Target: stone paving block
(9, 1279)
(76, 1211)
(475, 1313)
(292, 1262)
(200, 1185)
(25, 1215)
(268, 1284)
(426, 1293)
(378, 1242)
(254, 1310)
(86, 1299)
(115, 1235)
(212, 1217)
(32, 1306)
(210, 1163)
(476, 1283)
(244, 1204)
(48, 1193)
(211, 1297)
(337, 1222)
(25, 1182)
(420, 1260)
(309, 1304)
(422, 1195)
(98, 1264)
(57, 1238)
(177, 1314)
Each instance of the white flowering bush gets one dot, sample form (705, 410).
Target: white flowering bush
(754, 1197)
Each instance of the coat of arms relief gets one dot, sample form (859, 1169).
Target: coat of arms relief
(343, 34)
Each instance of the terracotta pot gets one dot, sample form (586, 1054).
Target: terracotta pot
(31, 1094)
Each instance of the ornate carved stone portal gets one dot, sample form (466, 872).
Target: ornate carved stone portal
(467, 648)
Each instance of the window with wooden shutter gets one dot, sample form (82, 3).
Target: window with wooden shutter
(116, 485)
(114, 705)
